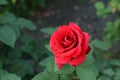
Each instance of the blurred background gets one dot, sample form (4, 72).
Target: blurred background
(26, 25)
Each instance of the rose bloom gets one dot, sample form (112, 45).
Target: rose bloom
(69, 45)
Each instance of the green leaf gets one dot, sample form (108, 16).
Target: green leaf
(50, 65)
(49, 30)
(99, 5)
(104, 78)
(2, 72)
(25, 23)
(89, 58)
(3, 2)
(7, 18)
(43, 62)
(48, 48)
(21, 68)
(66, 69)
(115, 62)
(87, 72)
(42, 3)
(117, 75)
(99, 44)
(9, 77)
(108, 10)
(14, 53)
(45, 76)
(7, 36)
(109, 72)
(1, 64)
(16, 30)
(66, 77)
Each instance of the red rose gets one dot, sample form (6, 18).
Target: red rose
(69, 45)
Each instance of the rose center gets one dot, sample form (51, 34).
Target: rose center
(67, 41)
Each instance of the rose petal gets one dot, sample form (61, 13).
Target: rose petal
(62, 60)
(60, 66)
(78, 60)
(64, 54)
(88, 50)
(54, 42)
(85, 43)
(55, 46)
(77, 51)
(74, 26)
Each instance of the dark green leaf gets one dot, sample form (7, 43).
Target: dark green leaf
(89, 58)
(45, 76)
(50, 65)
(25, 23)
(9, 77)
(16, 30)
(117, 75)
(1, 64)
(87, 72)
(7, 18)
(99, 44)
(66, 69)
(43, 62)
(3, 72)
(41, 2)
(104, 78)
(109, 72)
(115, 62)
(21, 67)
(49, 30)
(3, 2)
(99, 5)
(47, 47)
(14, 53)
(7, 35)
(66, 77)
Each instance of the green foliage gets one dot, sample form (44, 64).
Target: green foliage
(7, 18)
(100, 44)
(48, 30)
(115, 62)
(31, 60)
(117, 76)
(102, 10)
(88, 70)
(66, 77)
(3, 2)
(10, 28)
(11, 56)
(7, 35)
(22, 7)
(105, 10)
(25, 23)
(112, 29)
(104, 78)
(111, 32)
(90, 59)
(108, 72)
(45, 76)
(8, 76)
(67, 69)
(21, 68)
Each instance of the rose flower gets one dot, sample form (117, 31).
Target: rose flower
(69, 45)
